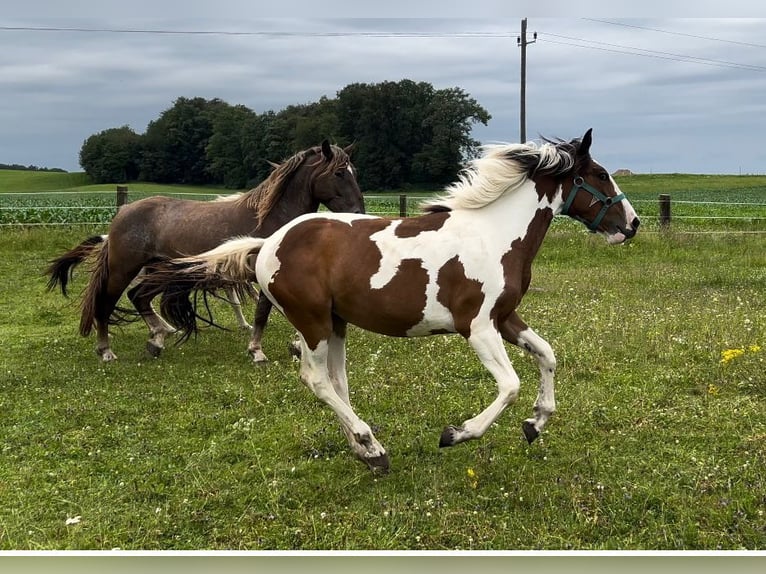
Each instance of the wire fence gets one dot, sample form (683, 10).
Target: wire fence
(97, 208)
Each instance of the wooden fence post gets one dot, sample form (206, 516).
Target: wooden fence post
(664, 211)
(122, 195)
(402, 206)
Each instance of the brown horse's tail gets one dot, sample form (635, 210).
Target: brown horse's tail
(61, 269)
(94, 292)
(230, 265)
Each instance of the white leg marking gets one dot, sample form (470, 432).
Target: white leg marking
(488, 345)
(336, 363)
(315, 375)
(158, 328)
(236, 306)
(545, 404)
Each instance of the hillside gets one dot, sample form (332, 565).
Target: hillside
(22, 180)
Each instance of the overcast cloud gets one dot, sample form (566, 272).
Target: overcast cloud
(695, 104)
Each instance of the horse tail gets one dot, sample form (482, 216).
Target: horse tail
(231, 261)
(61, 269)
(230, 265)
(93, 292)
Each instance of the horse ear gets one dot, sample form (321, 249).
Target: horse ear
(326, 150)
(349, 148)
(584, 147)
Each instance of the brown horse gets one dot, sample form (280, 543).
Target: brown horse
(462, 267)
(160, 227)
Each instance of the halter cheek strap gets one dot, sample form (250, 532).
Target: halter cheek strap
(579, 183)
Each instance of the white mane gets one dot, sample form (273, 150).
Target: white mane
(501, 169)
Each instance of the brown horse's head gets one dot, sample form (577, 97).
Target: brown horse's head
(318, 175)
(333, 181)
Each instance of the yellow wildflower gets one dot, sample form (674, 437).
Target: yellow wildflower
(730, 354)
(754, 348)
(712, 389)
(472, 475)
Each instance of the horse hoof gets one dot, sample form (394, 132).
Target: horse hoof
(259, 358)
(378, 464)
(153, 350)
(448, 437)
(106, 354)
(530, 432)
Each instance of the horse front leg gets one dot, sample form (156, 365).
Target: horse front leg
(488, 345)
(516, 332)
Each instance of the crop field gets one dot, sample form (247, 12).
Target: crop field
(658, 443)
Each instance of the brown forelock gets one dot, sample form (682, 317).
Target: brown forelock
(325, 269)
(340, 160)
(517, 266)
(461, 295)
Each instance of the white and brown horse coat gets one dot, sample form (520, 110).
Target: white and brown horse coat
(462, 267)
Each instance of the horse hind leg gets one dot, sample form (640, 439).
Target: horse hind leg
(236, 307)
(262, 310)
(158, 327)
(99, 302)
(319, 372)
(515, 331)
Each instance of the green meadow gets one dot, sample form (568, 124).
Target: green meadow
(659, 441)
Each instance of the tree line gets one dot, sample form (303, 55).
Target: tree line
(19, 167)
(403, 133)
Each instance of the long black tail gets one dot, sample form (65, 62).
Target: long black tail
(61, 269)
(185, 290)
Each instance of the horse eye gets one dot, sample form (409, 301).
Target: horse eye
(603, 176)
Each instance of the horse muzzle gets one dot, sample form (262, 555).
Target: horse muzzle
(624, 233)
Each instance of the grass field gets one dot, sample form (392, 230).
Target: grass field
(658, 443)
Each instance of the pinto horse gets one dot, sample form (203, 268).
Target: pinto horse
(462, 267)
(157, 228)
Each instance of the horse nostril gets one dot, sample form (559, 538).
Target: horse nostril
(635, 223)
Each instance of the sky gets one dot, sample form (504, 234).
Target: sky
(663, 95)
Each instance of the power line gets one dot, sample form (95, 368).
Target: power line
(675, 33)
(670, 55)
(258, 33)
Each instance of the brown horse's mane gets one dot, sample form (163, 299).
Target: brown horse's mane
(266, 194)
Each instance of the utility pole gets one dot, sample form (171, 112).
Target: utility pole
(522, 42)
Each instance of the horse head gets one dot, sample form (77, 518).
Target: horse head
(334, 182)
(594, 198)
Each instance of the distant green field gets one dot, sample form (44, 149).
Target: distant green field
(21, 181)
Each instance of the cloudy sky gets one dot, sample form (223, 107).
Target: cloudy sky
(662, 95)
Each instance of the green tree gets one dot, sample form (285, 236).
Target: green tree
(226, 152)
(176, 143)
(407, 132)
(448, 122)
(112, 155)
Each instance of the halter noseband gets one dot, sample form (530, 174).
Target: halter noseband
(579, 183)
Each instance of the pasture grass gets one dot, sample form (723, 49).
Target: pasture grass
(658, 443)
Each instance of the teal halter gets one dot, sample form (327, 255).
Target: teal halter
(579, 183)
